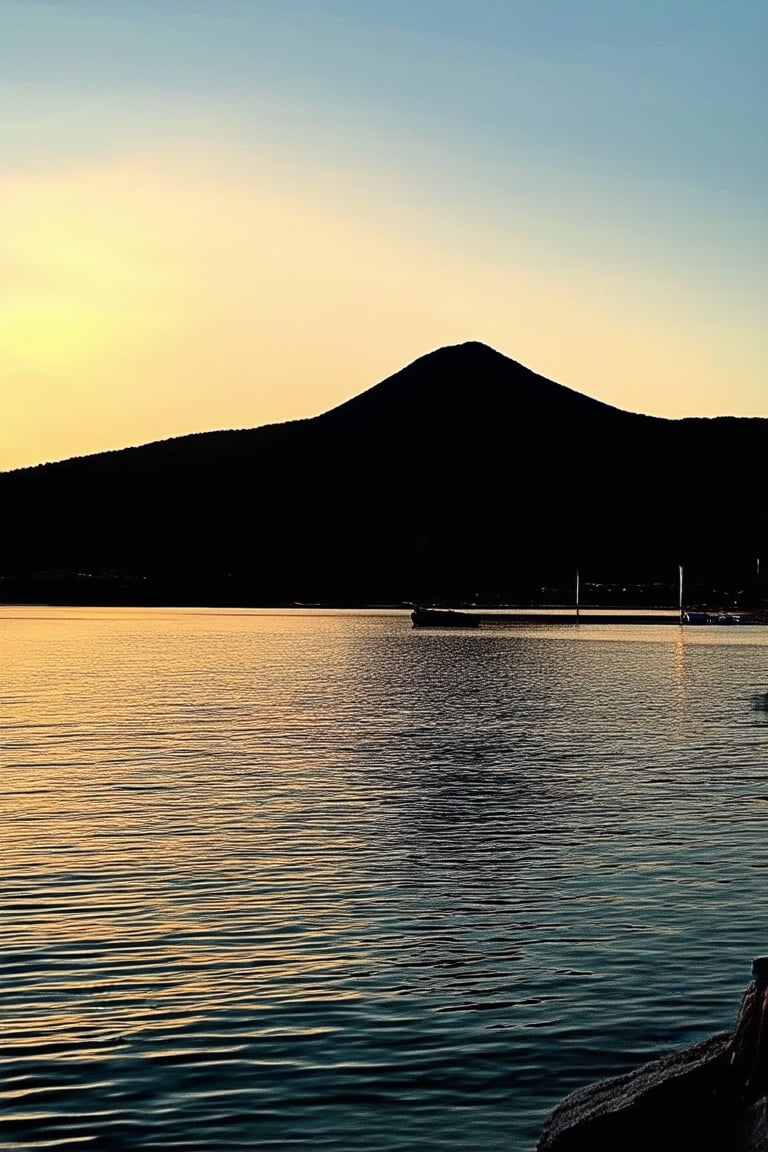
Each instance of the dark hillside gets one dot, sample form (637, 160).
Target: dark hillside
(464, 473)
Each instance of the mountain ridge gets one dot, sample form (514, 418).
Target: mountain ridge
(463, 472)
(475, 349)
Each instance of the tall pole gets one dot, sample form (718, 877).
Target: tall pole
(577, 595)
(680, 567)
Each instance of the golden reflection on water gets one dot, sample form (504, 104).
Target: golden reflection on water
(678, 673)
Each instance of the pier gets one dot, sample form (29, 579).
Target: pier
(570, 617)
(597, 616)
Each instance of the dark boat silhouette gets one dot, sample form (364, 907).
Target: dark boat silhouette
(443, 618)
(711, 618)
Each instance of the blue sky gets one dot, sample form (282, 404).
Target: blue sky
(581, 184)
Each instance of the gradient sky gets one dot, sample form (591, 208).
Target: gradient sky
(222, 213)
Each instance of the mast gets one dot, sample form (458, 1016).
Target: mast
(577, 595)
(680, 569)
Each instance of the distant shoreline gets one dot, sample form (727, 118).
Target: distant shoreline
(490, 615)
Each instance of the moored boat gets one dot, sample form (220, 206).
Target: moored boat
(443, 618)
(711, 618)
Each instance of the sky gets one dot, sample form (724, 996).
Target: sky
(225, 213)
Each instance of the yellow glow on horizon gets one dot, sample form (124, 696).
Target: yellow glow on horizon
(156, 296)
(55, 333)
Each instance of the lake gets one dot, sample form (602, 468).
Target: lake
(317, 880)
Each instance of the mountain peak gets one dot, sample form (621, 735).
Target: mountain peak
(466, 377)
(468, 346)
(467, 351)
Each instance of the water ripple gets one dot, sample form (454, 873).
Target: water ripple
(318, 881)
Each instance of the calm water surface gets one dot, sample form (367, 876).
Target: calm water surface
(319, 881)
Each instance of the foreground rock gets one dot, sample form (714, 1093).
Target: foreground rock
(711, 1097)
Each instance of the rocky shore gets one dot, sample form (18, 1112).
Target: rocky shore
(711, 1097)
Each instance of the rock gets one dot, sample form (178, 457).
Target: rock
(711, 1097)
(754, 1135)
(674, 1103)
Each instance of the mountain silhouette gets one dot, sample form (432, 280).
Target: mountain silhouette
(463, 476)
